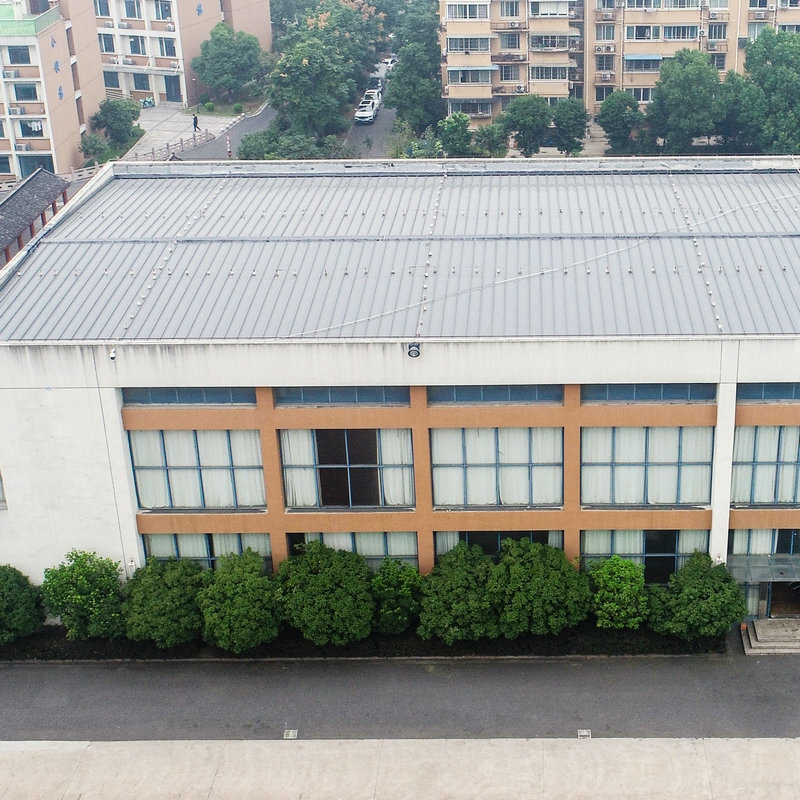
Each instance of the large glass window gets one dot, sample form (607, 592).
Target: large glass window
(111, 81)
(106, 41)
(374, 546)
(509, 8)
(662, 552)
(549, 8)
(133, 9)
(497, 466)
(347, 468)
(469, 76)
(163, 9)
(765, 541)
(468, 44)
(137, 45)
(101, 8)
(509, 72)
(489, 541)
(141, 81)
(467, 11)
(682, 32)
(646, 466)
(648, 392)
(542, 73)
(166, 47)
(25, 92)
(206, 548)
(197, 469)
(32, 128)
(496, 395)
(341, 396)
(766, 465)
(193, 396)
(641, 32)
(18, 54)
(767, 392)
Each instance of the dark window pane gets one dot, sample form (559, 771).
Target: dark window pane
(657, 569)
(660, 541)
(243, 395)
(330, 447)
(397, 394)
(620, 392)
(218, 396)
(783, 543)
(778, 391)
(676, 391)
(495, 394)
(191, 396)
(364, 486)
(135, 395)
(288, 395)
(486, 540)
(468, 394)
(163, 396)
(550, 393)
(440, 394)
(594, 394)
(343, 394)
(524, 394)
(702, 391)
(540, 537)
(750, 391)
(370, 394)
(362, 446)
(648, 392)
(333, 486)
(293, 542)
(312, 394)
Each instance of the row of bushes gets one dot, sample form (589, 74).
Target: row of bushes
(332, 597)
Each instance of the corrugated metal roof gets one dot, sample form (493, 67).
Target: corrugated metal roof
(317, 250)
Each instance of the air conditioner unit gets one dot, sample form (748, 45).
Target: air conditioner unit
(703, 3)
(109, 23)
(608, 15)
(712, 45)
(620, 4)
(605, 77)
(520, 88)
(170, 26)
(174, 64)
(15, 110)
(11, 73)
(24, 146)
(513, 24)
(610, 48)
(126, 61)
(712, 15)
(760, 15)
(124, 24)
(598, 49)
(742, 42)
(771, 7)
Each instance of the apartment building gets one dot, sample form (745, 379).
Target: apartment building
(496, 49)
(395, 358)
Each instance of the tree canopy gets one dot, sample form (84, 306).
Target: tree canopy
(455, 135)
(619, 115)
(527, 119)
(415, 90)
(570, 120)
(116, 118)
(228, 59)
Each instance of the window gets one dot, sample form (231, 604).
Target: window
(643, 3)
(497, 466)
(549, 42)
(2, 131)
(681, 3)
(661, 552)
(375, 546)
(101, 8)
(717, 31)
(141, 81)
(467, 11)
(106, 42)
(32, 128)
(550, 8)
(25, 92)
(509, 8)
(496, 395)
(718, 60)
(604, 63)
(19, 55)
(646, 466)
(509, 41)
(643, 94)
(757, 3)
(194, 396)
(206, 548)
(347, 468)
(648, 392)
(5, 165)
(764, 542)
(166, 46)
(489, 541)
(111, 80)
(163, 9)
(341, 396)
(641, 64)
(136, 45)
(605, 33)
(601, 93)
(197, 469)
(543, 73)
(133, 9)
(754, 29)
(475, 108)
(642, 32)
(767, 392)
(766, 465)
(789, 28)
(469, 76)
(682, 32)
(466, 44)
(509, 72)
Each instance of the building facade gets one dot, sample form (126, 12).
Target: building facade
(494, 50)
(393, 359)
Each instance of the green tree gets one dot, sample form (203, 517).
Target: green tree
(401, 140)
(418, 23)
(739, 109)
(228, 59)
(772, 62)
(492, 140)
(397, 589)
(277, 144)
(326, 595)
(701, 601)
(455, 135)
(116, 118)
(415, 90)
(683, 100)
(455, 600)
(427, 146)
(21, 611)
(619, 599)
(570, 120)
(93, 146)
(161, 603)
(240, 606)
(536, 590)
(619, 116)
(86, 593)
(527, 119)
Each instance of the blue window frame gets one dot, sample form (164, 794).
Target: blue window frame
(374, 546)
(489, 541)
(216, 396)
(649, 393)
(341, 395)
(777, 541)
(767, 392)
(496, 395)
(206, 548)
(766, 465)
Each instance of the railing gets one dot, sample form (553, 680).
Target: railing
(163, 153)
(502, 58)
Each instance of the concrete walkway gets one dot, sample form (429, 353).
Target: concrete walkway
(403, 769)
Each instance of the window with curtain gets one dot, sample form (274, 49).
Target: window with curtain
(497, 466)
(206, 548)
(489, 541)
(646, 466)
(766, 465)
(347, 468)
(764, 541)
(374, 546)
(197, 469)
(662, 552)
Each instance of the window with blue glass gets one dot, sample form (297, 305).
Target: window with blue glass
(206, 548)
(767, 392)
(764, 541)
(646, 466)
(496, 395)
(216, 396)
(489, 541)
(197, 469)
(374, 546)
(497, 466)
(341, 395)
(766, 465)
(649, 393)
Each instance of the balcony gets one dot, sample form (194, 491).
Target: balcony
(717, 46)
(508, 58)
(510, 88)
(509, 25)
(605, 15)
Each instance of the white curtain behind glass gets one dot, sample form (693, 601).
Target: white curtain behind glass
(258, 543)
(184, 478)
(248, 472)
(160, 545)
(300, 483)
(212, 446)
(151, 483)
(445, 541)
(398, 481)
(448, 481)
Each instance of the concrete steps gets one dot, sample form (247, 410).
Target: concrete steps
(762, 637)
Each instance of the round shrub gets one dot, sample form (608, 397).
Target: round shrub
(238, 108)
(86, 593)
(326, 594)
(619, 599)
(396, 588)
(240, 606)
(209, 106)
(536, 590)
(161, 602)
(21, 611)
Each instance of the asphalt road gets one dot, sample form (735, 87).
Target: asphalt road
(709, 696)
(370, 141)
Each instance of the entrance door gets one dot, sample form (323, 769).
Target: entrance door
(784, 599)
(172, 84)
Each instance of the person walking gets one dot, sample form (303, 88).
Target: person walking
(196, 123)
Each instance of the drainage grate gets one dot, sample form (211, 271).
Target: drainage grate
(290, 733)
(584, 733)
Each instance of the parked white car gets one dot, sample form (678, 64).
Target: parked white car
(375, 96)
(365, 113)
